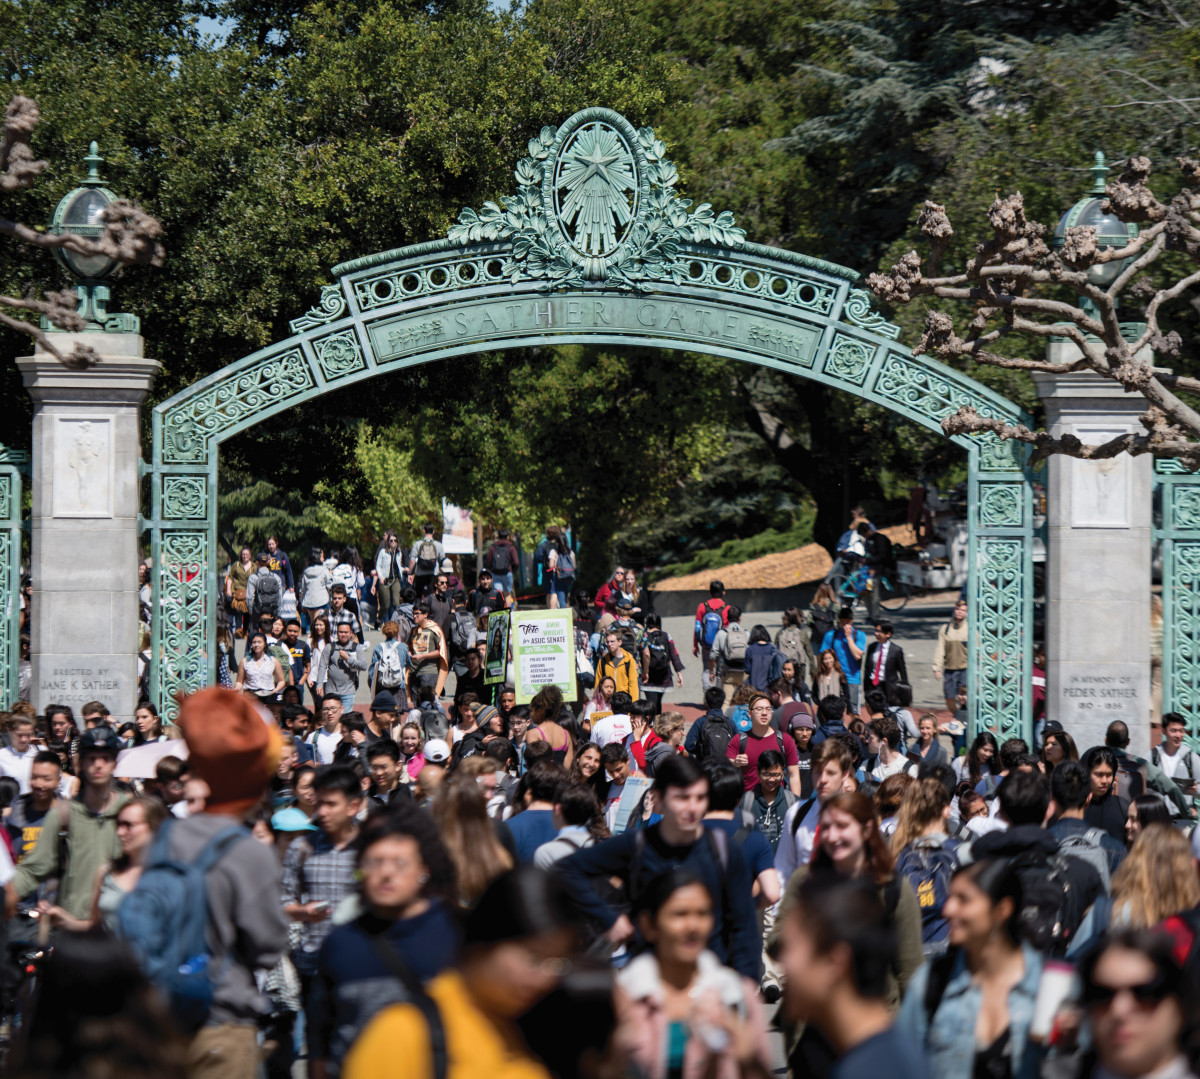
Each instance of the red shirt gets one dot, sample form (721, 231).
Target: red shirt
(638, 749)
(757, 746)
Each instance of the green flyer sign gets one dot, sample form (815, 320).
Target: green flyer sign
(543, 652)
(496, 656)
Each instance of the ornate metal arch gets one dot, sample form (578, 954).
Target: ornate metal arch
(596, 246)
(12, 464)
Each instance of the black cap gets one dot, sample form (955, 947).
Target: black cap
(102, 739)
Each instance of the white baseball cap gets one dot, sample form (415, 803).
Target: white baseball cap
(437, 751)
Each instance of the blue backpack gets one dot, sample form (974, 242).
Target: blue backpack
(165, 920)
(714, 622)
(929, 869)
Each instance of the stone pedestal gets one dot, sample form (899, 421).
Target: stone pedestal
(86, 448)
(1098, 569)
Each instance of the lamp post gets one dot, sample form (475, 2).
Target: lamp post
(1111, 231)
(78, 213)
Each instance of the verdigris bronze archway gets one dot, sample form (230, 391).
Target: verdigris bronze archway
(596, 246)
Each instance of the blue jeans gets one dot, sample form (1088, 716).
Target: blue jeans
(563, 586)
(347, 700)
(503, 581)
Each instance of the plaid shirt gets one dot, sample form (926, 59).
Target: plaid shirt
(315, 871)
(344, 617)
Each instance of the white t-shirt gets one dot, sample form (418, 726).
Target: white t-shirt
(611, 729)
(899, 764)
(1176, 767)
(325, 744)
(796, 849)
(19, 766)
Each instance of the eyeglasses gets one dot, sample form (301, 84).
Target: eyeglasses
(376, 864)
(1147, 995)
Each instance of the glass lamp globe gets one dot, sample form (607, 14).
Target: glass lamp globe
(79, 213)
(1110, 230)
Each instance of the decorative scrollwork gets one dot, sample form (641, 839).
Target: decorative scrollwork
(183, 653)
(923, 388)
(860, 310)
(596, 202)
(848, 359)
(1181, 635)
(998, 624)
(332, 305)
(184, 498)
(1001, 505)
(1185, 507)
(6, 498)
(190, 427)
(339, 355)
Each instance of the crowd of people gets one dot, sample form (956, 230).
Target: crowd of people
(451, 883)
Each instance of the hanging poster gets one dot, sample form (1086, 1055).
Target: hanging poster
(543, 652)
(496, 656)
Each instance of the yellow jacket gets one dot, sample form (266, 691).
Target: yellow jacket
(396, 1042)
(624, 672)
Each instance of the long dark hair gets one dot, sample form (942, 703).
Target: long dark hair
(974, 765)
(997, 879)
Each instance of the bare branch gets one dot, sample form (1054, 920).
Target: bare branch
(82, 357)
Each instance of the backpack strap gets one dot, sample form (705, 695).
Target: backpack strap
(801, 813)
(217, 846)
(417, 996)
(940, 970)
(635, 863)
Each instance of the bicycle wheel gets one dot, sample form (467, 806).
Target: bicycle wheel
(893, 595)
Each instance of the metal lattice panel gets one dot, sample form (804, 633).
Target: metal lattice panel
(595, 246)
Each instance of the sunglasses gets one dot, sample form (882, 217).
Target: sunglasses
(1147, 995)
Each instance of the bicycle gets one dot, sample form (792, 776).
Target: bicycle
(854, 592)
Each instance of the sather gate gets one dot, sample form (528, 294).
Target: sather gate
(595, 246)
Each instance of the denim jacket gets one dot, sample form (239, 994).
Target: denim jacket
(950, 1038)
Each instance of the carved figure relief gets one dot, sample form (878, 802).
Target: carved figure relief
(82, 479)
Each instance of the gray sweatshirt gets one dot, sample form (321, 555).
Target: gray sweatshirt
(245, 916)
(340, 676)
(314, 587)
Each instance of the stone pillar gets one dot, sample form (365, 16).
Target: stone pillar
(1098, 570)
(86, 449)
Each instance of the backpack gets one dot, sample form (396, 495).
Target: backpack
(468, 745)
(659, 645)
(434, 724)
(712, 624)
(929, 869)
(1086, 847)
(1130, 779)
(734, 652)
(749, 820)
(165, 920)
(405, 621)
(390, 672)
(1048, 916)
(427, 557)
(566, 563)
(500, 558)
(791, 644)
(715, 736)
(461, 626)
(267, 594)
(823, 622)
(1188, 759)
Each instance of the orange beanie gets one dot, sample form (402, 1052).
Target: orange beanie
(232, 745)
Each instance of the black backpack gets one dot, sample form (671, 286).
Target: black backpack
(266, 594)
(1049, 914)
(468, 745)
(823, 622)
(500, 560)
(659, 645)
(714, 739)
